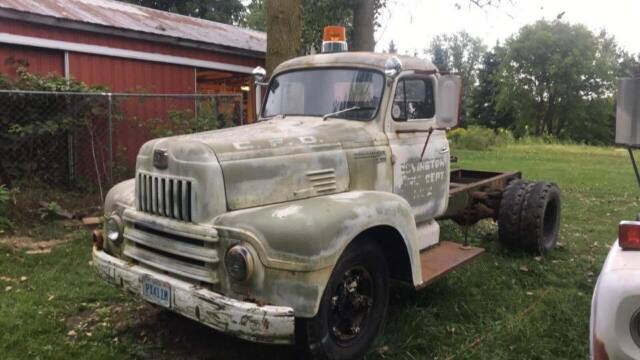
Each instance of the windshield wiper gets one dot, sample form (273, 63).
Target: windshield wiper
(326, 116)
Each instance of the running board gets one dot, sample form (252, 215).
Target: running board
(447, 256)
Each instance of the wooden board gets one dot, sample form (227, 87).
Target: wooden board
(444, 257)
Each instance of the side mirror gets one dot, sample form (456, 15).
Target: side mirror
(627, 112)
(259, 75)
(448, 101)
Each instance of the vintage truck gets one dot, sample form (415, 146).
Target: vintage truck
(289, 230)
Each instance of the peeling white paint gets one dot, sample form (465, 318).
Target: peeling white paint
(288, 211)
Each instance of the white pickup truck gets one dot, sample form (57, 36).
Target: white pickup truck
(615, 308)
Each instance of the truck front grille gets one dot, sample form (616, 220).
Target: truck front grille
(193, 256)
(165, 196)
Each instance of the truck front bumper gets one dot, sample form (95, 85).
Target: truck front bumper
(249, 321)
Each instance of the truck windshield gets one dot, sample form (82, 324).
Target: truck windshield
(317, 92)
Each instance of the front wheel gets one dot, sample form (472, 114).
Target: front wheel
(353, 307)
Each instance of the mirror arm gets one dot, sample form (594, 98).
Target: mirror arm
(429, 131)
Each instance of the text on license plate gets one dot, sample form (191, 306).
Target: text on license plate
(155, 291)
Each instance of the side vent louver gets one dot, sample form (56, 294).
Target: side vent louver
(164, 196)
(323, 181)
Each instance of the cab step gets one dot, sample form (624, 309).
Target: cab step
(445, 257)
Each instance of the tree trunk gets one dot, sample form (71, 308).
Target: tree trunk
(284, 31)
(363, 17)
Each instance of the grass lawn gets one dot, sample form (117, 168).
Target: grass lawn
(503, 306)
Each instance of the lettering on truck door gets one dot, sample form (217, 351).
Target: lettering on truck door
(424, 183)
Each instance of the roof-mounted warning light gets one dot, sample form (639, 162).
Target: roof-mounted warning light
(334, 39)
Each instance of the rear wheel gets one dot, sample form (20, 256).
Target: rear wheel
(353, 307)
(510, 212)
(529, 216)
(541, 217)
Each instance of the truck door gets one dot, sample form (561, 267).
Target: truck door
(422, 179)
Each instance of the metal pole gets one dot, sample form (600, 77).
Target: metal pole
(635, 167)
(258, 101)
(110, 141)
(241, 108)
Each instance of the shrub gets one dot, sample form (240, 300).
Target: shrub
(6, 196)
(34, 128)
(479, 138)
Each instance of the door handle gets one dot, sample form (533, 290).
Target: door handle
(444, 150)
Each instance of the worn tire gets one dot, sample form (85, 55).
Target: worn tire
(541, 217)
(529, 216)
(509, 232)
(315, 338)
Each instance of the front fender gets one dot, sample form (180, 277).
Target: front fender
(311, 234)
(120, 196)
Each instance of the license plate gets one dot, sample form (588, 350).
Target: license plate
(156, 291)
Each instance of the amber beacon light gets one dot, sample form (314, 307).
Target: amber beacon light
(334, 39)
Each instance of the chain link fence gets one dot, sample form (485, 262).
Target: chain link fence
(89, 141)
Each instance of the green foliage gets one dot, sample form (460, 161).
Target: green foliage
(316, 15)
(479, 138)
(255, 16)
(34, 128)
(556, 79)
(483, 106)
(224, 11)
(6, 196)
(461, 53)
(183, 122)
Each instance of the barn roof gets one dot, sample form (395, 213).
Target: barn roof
(109, 15)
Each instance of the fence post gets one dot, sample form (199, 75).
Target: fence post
(110, 136)
(241, 109)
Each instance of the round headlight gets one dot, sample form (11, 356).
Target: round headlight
(239, 263)
(114, 229)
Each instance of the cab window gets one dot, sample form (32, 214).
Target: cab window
(413, 100)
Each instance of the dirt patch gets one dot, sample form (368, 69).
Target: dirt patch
(29, 215)
(30, 246)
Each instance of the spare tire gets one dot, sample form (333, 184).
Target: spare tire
(529, 216)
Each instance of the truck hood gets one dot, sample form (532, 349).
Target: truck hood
(290, 135)
(269, 162)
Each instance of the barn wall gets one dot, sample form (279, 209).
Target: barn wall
(119, 75)
(124, 75)
(41, 61)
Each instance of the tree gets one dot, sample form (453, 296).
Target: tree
(483, 105)
(225, 11)
(284, 31)
(553, 77)
(255, 16)
(357, 16)
(392, 48)
(461, 53)
(364, 13)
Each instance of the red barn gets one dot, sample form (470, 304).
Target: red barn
(131, 48)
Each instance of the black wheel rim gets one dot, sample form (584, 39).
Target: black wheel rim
(350, 305)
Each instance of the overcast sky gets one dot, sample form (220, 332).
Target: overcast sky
(412, 23)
